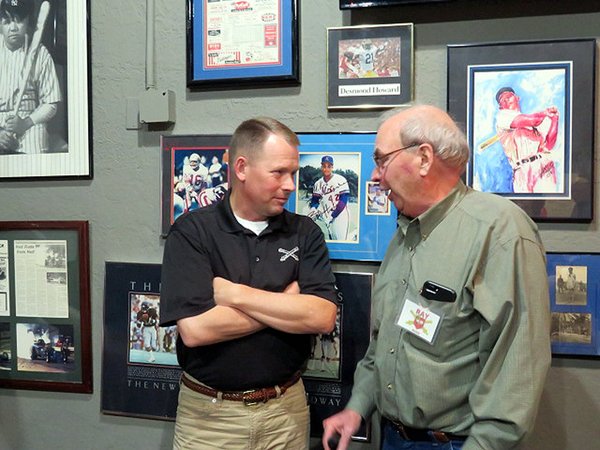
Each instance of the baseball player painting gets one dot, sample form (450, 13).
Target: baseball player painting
(24, 115)
(329, 201)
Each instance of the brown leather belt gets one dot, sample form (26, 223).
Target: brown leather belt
(419, 434)
(250, 397)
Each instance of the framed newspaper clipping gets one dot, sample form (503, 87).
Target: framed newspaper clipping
(45, 306)
(234, 44)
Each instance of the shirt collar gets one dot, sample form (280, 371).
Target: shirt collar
(229, 224)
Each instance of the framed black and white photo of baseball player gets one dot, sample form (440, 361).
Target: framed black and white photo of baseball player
(194, 173)
(45, 128)
(240, 44)
(528, 110)
(45, 336)
(573, 285)
(331, 189)
(369, 67)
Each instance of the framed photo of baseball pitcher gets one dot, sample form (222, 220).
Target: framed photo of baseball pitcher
(242, 43)
(369, 67)
(333, 187)
(194, 173)
(573, 285)
(45, 337)
(528, 110)
(45, 128)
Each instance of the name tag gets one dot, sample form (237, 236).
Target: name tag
(420, 321)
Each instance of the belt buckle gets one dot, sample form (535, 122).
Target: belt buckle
(246, 401)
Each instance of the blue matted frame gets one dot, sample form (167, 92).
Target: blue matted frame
(574, 304)
(280, 28)
(374, 231)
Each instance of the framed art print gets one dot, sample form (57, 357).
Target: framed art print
(194, 173)
(140, 373)
(528, 110)
(369, 66)
(574, 290)
(45, 119)
(339, 165)
(45, 335)
(242, 43)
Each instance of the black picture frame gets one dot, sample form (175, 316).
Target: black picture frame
(218, 58)
(60, 148)
(132, 383)
(475, 70)
(45, 326)
(575, 318)
(329, 376)
(350, 4)
(370, 67)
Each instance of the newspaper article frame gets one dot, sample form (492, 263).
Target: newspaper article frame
(45, 332)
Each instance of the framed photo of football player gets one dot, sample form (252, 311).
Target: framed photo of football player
(45, 118)
(369, 67)
(194, 173)
(45, 337)
(331, 188)
(529, 113)
(573, 285)
(239, 44)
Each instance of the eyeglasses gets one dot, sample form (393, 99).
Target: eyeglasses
(380, 161)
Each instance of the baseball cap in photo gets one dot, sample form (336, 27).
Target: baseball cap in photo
(24, 8)
(502, 91)
(327, 159)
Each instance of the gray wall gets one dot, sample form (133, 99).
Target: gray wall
(122, 201)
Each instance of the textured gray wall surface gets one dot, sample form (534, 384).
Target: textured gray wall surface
(122, 202)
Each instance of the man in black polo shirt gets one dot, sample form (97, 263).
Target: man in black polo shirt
(247, 283)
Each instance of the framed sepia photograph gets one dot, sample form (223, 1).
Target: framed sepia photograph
(45, 306)
(242, 44)
(194, 173)
(528, 111)
(334, 188)
(370, 67)
(329, 375)
(572, 281)
(45, 119)
(140, 373)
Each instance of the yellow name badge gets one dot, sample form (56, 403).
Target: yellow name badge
(420, 321)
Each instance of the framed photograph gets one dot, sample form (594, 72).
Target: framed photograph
(574, 291)
(528, 110)
(370, 67)
(242, 43)
(140, 373)
(335, 168)
(194, 173)
(45, 306)
(329, 375)
(45, 123)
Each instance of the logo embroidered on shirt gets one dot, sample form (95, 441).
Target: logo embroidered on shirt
(288, 253)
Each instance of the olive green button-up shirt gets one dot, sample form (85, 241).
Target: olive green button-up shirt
(483, 374)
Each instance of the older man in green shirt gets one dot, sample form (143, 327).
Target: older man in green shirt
(460, 346)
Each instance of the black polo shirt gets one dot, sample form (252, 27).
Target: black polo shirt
(210, 242)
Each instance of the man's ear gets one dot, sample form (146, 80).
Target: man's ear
(426, 152)
(239, 168)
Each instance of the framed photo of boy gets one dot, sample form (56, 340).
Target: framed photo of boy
(528, 109)
(45, 128)
(369, 67)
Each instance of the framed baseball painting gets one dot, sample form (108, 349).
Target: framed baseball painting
(334, 188)
(574, 290)
(194, 173)
(369, 67)
(45, 336)
(528, 110)
(242, 43)
(45, 123)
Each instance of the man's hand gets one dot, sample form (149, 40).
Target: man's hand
(345, 424)
(17, 125)
(8, 142)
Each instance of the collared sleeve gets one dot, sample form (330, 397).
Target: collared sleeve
(511, 294)
(186, 274)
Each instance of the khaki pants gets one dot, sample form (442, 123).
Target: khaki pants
(206, 423)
